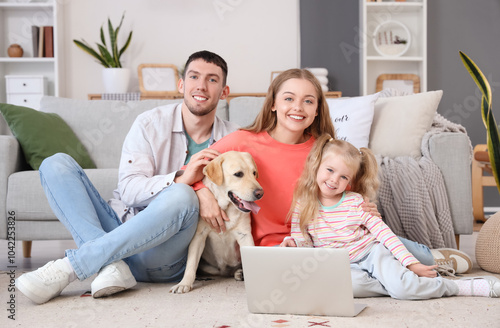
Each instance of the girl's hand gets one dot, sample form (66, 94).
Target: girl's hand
(288, 243)
(210, 211)
(422, 270)
(371, 208)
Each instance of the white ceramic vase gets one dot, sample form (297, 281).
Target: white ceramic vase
(116, 80)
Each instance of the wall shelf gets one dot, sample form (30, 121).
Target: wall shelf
(17, 19)
(413, 14)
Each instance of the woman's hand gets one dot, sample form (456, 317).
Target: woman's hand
(193, 172)
(370, 207)
(288, 243)
(210, 211)
(423, 270)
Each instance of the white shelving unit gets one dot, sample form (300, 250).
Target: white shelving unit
(413, 14)
(16, 19)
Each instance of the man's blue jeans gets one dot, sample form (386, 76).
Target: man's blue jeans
(153, 243)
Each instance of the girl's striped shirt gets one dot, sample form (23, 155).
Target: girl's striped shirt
(346, 225)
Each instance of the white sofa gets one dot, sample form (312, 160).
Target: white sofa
(102, 126)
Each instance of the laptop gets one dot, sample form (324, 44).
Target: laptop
(296, 280)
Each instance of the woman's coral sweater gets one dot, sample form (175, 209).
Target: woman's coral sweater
(279, 166)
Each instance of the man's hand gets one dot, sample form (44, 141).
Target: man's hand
(210, 211)
(423, 270)
(194, 170)
(371, 208)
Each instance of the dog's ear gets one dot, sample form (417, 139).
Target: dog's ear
(256, 170)
(213, 171)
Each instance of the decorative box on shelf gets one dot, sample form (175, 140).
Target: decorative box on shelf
(25, 90)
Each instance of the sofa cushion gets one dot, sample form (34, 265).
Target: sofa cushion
(352, 118)
(27, 199)
(399, 123)
(43, 134)
(244, 110)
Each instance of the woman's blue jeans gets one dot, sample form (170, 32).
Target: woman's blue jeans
(153, 243)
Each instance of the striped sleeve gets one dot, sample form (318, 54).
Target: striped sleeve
(296, 234)
(385, 236)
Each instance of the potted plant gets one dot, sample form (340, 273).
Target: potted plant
(115, 77)
(492, 132)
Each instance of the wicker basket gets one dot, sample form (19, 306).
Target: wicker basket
(488, 245)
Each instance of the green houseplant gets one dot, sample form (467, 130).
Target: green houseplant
(492, 133)
(107, 57)
(115, 77)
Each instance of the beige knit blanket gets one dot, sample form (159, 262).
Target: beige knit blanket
(412, 195)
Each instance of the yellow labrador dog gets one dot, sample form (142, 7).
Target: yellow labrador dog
(232, 178)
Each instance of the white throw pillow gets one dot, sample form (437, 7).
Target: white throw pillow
(352, 118)
(399, 123)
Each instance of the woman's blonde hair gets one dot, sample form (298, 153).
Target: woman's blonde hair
(267, 120)
(362, 162)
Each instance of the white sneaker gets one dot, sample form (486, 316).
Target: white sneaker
(454, 258)
(493, 282)
(45, 283)
(113, 278)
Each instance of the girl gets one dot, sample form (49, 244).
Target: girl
(326, 215)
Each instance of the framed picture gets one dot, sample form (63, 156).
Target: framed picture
(408, 83)
(158, 79)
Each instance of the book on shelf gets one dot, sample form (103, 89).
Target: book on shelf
(40, 42)
(48, 32)
(35, 30)
(43, 41)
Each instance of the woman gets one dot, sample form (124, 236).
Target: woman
(294, 114)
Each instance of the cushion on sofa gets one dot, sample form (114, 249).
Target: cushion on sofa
(43, 134)
(399, 123)
(244, 110)
(352, 118)
(27, 199)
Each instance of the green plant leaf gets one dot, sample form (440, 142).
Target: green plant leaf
(477, 75)
(91, 52)
(114, 48)
(103, 39)
(492, 132)
(127, 43)
(493, 142)
(106, 56)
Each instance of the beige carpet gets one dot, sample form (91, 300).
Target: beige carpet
(222, 303)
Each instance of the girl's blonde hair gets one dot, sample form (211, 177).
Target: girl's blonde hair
(267, 120)
(362, 162)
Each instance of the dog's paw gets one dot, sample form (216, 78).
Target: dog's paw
(180, 289)
(238, 275)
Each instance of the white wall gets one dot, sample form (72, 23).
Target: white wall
(254, 37)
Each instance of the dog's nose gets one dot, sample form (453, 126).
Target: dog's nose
(258, 193)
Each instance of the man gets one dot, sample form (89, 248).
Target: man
(143, 233)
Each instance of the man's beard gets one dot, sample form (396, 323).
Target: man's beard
(199, 112)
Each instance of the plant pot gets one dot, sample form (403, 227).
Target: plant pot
(116, 80)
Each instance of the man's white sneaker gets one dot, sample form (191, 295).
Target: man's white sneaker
(113, 278)
(45, 283)
(453, 258)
